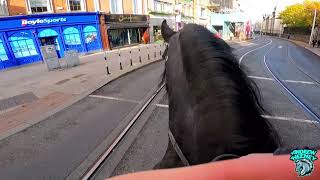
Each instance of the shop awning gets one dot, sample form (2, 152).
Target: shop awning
(127, 25)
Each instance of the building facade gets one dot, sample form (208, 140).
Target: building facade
(82, 25)
(159, 10)
(21, 37)
(201, 12)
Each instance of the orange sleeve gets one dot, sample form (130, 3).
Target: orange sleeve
(251, 167)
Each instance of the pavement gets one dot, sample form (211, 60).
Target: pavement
(30, 94)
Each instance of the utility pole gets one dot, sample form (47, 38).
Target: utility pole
(314, 22)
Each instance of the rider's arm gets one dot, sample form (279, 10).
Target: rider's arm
(251, 167)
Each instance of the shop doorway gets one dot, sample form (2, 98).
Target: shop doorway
(50, 37)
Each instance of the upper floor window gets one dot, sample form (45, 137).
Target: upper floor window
(137, 6)
(158, 6)
(203, 12)
(3, 8)
(39, 6)
(76, 5)
(116, 6)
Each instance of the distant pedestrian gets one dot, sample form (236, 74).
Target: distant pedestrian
(318, 43)
(314, 42)
(289, 36)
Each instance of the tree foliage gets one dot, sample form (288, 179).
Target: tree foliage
(301, 15)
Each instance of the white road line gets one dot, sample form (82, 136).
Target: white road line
(266, 116)
(290, 81)
(162, 105)
(262, 78)
(289, 119)
(252, 51)
(114, 98)
(303, 82)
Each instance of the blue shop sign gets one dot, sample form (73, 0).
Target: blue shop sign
(44, 20)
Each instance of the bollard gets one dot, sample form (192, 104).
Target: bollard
(140, 55)
(131, 64)
(105, 58)
(148, 53)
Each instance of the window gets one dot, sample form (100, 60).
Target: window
(97, 5)
(3, 8)
(118, 37)
(76, 5)
(90, 34)
(158, 6)
(203, 12)
(47, 33)
(137, 6)
(116, 6)
(22, 45)
(3, 53)
(72, 36)
(39, 6)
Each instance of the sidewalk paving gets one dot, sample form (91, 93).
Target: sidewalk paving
(30, 94)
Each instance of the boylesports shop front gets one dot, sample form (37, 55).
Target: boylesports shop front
(21, 37)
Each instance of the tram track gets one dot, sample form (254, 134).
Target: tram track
(291, 60)
(94, 168)
(302, 104)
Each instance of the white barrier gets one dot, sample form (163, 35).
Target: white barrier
(112, 61)
(122, 59)
(125, 58)
(144, 53)
(135, 54)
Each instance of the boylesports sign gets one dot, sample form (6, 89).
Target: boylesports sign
(25, 22)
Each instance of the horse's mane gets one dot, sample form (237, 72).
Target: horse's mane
(219, 87)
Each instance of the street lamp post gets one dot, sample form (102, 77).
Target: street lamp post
(314, 22)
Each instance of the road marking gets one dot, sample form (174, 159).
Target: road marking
(303, 82)
(290, 81)
(262, 78)
(162, 105)
(114, 98)
(266, 116)
(289, 119)
(280, 47)
(252, 51)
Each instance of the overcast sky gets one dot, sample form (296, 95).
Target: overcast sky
(256, 8)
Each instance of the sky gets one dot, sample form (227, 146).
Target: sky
(256, 8)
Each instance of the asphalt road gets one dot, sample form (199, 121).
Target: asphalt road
(66, 144)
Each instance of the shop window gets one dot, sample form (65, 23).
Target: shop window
(90, 34)
(22, 45)
(40, 6)
(3, 53)
(72, 36)
(118, 37)
(134, 35)
(76, 5)
(47, 33)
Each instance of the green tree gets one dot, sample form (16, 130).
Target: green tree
(300, 15)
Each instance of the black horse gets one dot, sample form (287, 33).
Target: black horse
(214, 108)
